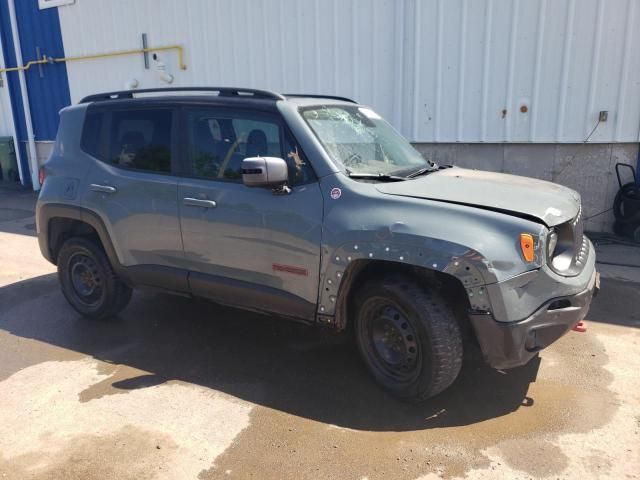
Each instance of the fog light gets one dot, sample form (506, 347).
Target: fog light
(531, 344)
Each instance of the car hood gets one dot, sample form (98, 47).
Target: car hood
(548, 202)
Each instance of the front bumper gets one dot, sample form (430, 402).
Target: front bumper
(508, 345)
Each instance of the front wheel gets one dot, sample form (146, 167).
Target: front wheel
(408, 337)
(88, 281)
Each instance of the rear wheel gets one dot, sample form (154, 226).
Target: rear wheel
(408, 337)
(88, 281)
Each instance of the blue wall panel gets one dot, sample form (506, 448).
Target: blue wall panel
(14, 88)
(49, 86)
(49, 91)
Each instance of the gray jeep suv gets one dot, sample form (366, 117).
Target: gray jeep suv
(311, 208)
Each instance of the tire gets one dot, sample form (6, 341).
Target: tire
(408, 337)
(88, 281)
(626, 204)
(625, 229)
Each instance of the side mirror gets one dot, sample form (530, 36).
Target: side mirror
(264, 172)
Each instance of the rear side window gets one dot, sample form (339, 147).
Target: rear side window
(92, 134)
(136, 139)
(141, 140)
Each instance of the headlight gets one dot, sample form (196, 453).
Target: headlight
(560, 248)
(552, 242)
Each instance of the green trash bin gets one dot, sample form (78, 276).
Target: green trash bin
(8, 161)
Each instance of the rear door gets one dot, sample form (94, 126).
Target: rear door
(133, 188)
(248, 246)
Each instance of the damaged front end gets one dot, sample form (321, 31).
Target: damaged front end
(532, 310)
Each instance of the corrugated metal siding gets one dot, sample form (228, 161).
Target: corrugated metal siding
(289, 46)
(479, 63)
(443, 71)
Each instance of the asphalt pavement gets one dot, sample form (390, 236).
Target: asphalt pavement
(176, 388)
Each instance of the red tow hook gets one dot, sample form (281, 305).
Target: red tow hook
(581, 327)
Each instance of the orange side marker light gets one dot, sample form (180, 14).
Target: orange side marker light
(526, 245)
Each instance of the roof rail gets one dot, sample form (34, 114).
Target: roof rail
(332, 97)
(222, 92)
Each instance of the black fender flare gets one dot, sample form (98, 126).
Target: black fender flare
(346, 261)
(49, 211)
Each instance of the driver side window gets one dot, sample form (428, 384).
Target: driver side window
(218, 143)
(219, 140)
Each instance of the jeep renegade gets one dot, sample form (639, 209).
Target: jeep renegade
(311, 208)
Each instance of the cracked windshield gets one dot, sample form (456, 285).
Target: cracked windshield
(362, 143)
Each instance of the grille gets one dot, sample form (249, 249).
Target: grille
(578, 228)
(581, 246)
(583, 253)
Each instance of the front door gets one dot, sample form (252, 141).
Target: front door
(248, 246)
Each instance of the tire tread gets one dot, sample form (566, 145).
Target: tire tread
(118, 293)
(444, 334)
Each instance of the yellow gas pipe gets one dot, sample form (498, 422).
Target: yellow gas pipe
(46, 59)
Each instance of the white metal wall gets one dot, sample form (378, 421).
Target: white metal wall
(6, 118)
(476, 64)
(440, 70)
(7, 126)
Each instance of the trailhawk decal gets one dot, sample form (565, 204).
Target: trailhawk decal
(278, 267)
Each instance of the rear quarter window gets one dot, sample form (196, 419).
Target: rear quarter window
(92, 134)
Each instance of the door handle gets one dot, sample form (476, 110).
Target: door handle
(102, 188)
(196, 202)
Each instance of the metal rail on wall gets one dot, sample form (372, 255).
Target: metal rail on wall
(50, 60)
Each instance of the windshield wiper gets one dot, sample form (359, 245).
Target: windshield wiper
(377, 176)
(422, 171)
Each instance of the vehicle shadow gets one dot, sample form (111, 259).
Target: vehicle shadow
(17, 205)
(617, 303)
(265, 360)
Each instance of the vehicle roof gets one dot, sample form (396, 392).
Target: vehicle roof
(173, 100)
(220, 96)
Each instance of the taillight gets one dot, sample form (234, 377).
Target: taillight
(41, 175)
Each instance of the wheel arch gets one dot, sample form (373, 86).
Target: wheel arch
(423, 257)
(57, 223)
(450, 287)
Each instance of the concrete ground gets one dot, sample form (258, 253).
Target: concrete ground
(178, 389)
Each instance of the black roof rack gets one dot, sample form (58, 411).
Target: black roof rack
(222, 92)
(332, 97)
